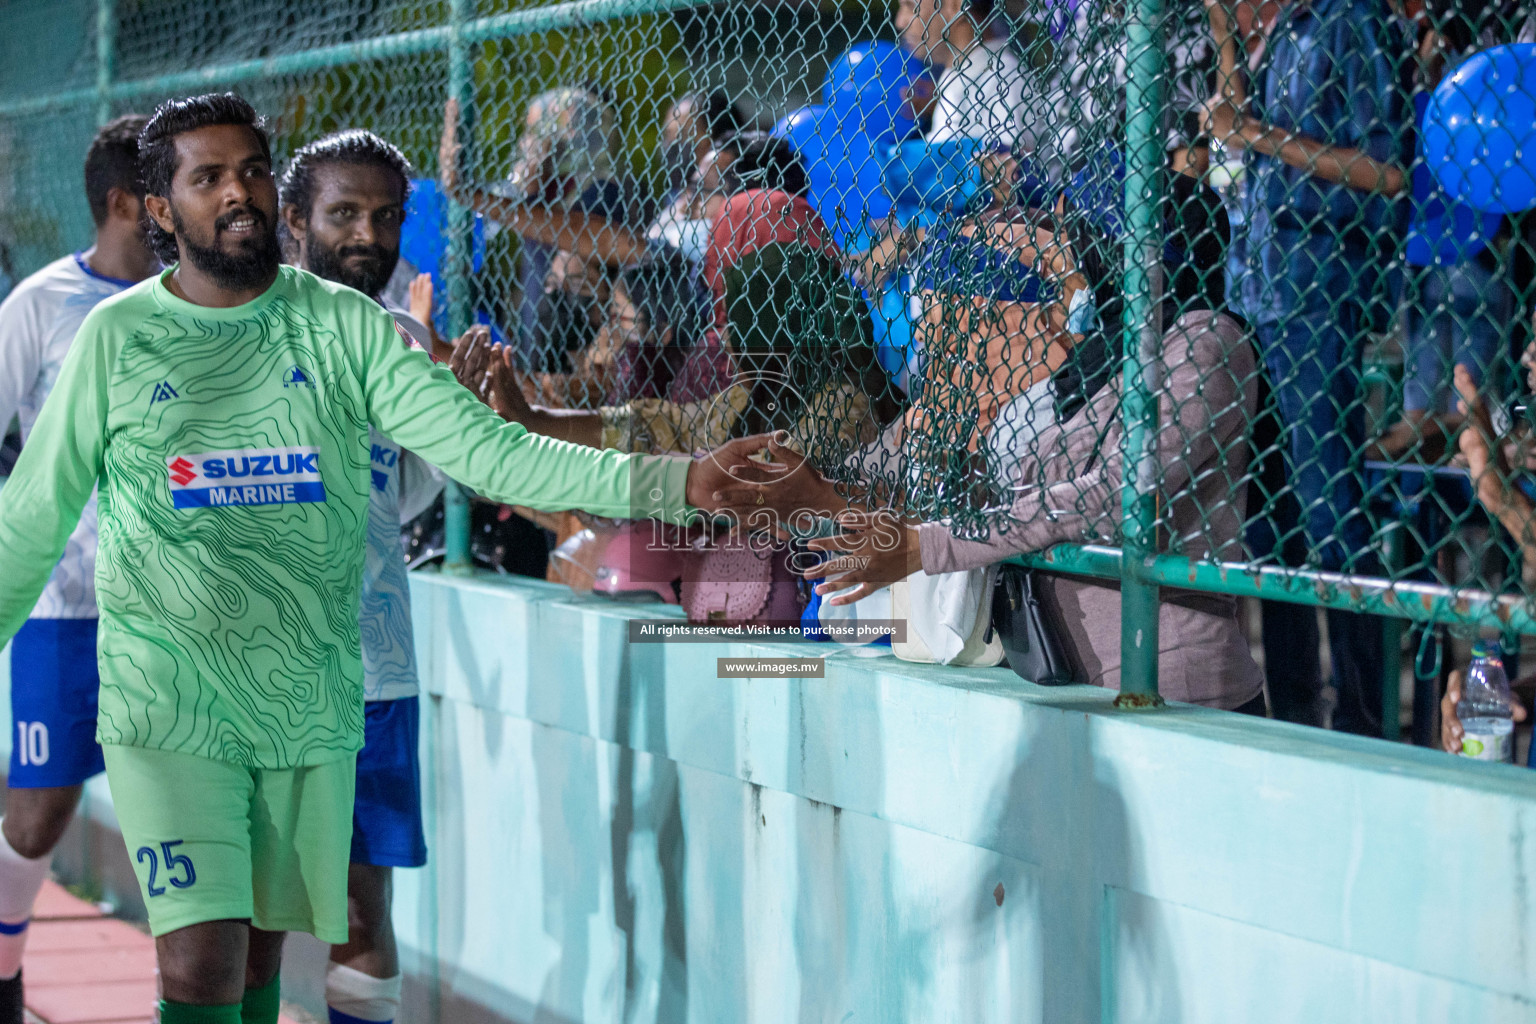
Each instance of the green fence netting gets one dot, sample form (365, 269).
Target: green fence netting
(1167, 292)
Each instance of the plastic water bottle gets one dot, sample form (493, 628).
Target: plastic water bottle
(1484, 707)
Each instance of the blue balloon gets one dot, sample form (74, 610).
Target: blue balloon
(804, 129)
(895, 327)
(1480, 130)
(935, 176)
(868, 87)
(1443, 231)
(848, 186)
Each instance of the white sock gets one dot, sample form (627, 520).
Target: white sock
(354, 996)
(21, 879)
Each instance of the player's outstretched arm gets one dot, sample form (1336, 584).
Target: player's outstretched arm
(53, 479)
(423, 408)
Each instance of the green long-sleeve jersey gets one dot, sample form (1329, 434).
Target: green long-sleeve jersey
(231, 451)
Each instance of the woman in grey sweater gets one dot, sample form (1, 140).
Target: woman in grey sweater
(1069, 491)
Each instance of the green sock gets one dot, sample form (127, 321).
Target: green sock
(186, 1013)
(260, 1005)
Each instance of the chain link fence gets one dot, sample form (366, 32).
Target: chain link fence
(1169, 293)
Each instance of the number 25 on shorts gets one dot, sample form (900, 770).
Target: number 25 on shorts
(174, 863)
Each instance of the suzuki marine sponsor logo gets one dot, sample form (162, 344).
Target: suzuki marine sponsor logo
(248, 476)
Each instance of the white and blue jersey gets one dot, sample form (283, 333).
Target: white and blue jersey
(402, 487)
(54, 677)
(38, 321)
(386, 815)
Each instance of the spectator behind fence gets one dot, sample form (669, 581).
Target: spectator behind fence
(688, 130)
(1239, 36)
(567, 164)
(984, 92)
(1063, 481)
(1088, 75)
(570, 312)
(997, 292)
(577, 287)
(1494, 483)
(1494, 480)
(1071, 482)
(1324, 142)
(792, 346)
(651, 320)
(698, 138)
(1460, 302)
(1021, 309)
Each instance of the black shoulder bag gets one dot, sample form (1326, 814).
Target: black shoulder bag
(1030, 628)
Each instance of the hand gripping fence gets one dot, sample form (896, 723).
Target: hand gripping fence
(1168, 294)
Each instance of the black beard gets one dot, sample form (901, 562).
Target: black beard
(256, 263)
(331, 264)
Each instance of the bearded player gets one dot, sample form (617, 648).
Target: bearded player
(224, 406)
(53, 656)
(343, 203)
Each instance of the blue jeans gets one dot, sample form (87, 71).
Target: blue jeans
(1460, 317)
(1313, 363)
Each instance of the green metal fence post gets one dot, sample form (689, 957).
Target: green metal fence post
(1143, 353)
(106, 57)
(457, 269)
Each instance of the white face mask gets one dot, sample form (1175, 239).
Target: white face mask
(1082, 314)
(689, 237)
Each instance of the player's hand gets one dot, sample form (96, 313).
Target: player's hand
(471, 361)
(776, 481)
(711, 473)
(508, 387)
(448, 149)
(1451, 730)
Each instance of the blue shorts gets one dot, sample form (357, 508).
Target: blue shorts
(54, 680)
(386, 817)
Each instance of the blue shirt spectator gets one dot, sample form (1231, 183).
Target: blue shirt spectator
(1331, 74)
(1327, 138)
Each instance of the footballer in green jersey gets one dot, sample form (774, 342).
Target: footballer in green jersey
(223, 408)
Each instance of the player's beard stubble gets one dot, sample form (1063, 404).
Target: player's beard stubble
(368, 275)
(254, 260)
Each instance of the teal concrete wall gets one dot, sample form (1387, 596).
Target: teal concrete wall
(617, 835)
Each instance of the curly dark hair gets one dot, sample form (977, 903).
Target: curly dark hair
(157, 146)
(113, 162)
(717, 111)
(354, 146)
(766, 161)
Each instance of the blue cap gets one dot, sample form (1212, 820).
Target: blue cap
(1487, 649)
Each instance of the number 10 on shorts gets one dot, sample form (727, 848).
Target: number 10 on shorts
(174, 863)
(32, 743)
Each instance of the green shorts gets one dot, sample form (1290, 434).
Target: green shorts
(214, 841)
